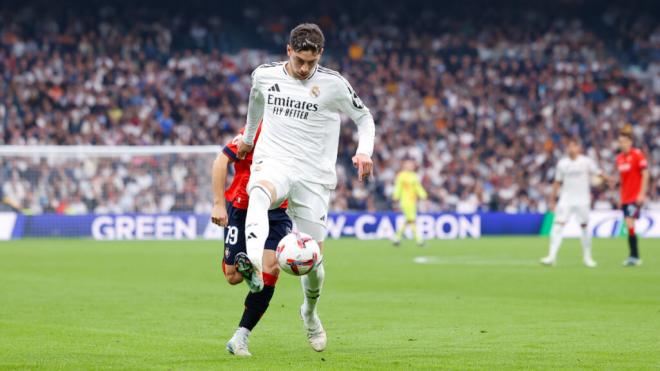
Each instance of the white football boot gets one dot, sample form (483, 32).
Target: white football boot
(238, 344)
(632, 262)
(549, 261)
(589, 262)
(315, 332)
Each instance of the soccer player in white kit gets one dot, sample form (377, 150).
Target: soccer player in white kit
(573, 174)
(295, 157)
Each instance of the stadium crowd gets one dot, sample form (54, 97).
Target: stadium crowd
(483, 105)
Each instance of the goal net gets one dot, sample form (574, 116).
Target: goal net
(99, 180)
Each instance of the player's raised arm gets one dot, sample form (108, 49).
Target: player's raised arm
(352, 105)
(254, 115)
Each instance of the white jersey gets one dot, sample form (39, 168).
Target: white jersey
(301, 120)
(575, 176)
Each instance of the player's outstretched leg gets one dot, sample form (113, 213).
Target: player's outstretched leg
(633, 259)
(312, 284)
(555, 243)
(256, 233)
(418, 236)
(396, 241)
(585, 239)
(256, 304)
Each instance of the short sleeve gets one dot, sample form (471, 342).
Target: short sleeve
(641, 161)
(231, 148)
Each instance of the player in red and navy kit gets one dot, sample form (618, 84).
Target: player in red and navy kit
(229, 211)
(634, 179)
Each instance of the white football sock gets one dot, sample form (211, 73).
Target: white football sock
(312, 283)
(585, 238)
(242, 332)
(555, 240)
(256, 225)
(417, 235)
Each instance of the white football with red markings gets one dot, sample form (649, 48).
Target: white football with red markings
(298, 254)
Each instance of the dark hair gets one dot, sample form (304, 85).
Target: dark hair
(307, 36)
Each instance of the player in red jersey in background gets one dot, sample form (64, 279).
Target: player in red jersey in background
(229, 211)
(634, 179)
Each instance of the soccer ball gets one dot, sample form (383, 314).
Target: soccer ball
(298, 254)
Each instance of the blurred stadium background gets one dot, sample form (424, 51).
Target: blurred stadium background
(481, 100)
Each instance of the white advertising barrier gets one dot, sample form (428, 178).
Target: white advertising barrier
(7, 222)
(609, 223)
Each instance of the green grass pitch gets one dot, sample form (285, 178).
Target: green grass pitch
(474, 304)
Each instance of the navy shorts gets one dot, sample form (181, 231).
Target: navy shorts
(280, 226)
(631, 210)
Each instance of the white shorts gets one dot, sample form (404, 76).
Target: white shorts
(564, 211)
(308, 202)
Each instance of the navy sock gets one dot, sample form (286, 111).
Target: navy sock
(632, 242)
(256, 304)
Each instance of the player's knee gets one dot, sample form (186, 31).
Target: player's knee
(265, 186)
(231, 275)
(320, 246)
(630, 222)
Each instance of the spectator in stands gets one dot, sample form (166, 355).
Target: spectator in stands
(483, 103)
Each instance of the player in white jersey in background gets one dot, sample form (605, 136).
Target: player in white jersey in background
(295, 157)
(573, 174)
